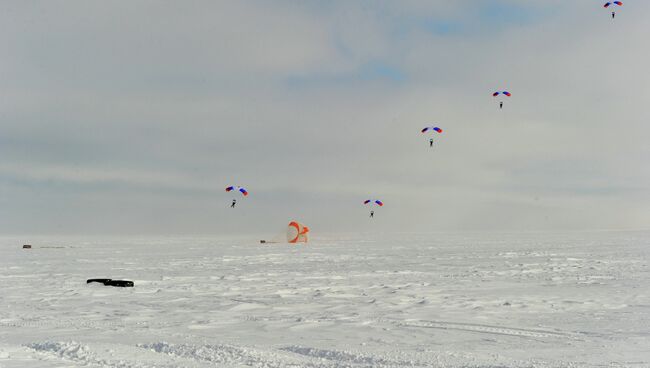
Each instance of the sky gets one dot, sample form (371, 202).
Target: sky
(131, 117)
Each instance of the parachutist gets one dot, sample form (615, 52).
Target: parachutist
(373, 202)
(241, 190)
(613, 4)
(431, 129)
(505, 93)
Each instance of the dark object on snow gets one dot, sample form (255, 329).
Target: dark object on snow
(120, 283)
(27, 246)
(111, 282)
(263, 241)
(101, 281)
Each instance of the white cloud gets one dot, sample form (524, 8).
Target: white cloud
(151, 108)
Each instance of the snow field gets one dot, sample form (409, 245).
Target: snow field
(407, 300)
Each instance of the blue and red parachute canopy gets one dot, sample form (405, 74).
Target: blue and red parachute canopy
(242, 190)
(374, 201)
(432, 128)
(495, 94)
(607, 4)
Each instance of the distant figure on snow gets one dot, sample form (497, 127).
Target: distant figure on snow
(431, 142)
(372, 214)
(234, 202)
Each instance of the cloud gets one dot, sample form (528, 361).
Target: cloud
(132, 117)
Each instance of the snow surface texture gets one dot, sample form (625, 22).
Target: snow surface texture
(410, 300)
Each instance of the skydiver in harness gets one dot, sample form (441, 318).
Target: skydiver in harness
(501, 105)
(613, 15)
(372, 214)
(234, 202)
(431, 142)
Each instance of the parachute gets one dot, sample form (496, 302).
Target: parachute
(375, 202)
(238, 189)
(297, 233)
(612, 3)
(432, 128)
(505, 93)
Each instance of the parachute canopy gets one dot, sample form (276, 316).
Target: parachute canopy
(495, 94)
(432, 128)
(297, 233)
(242, 190)
(612, 3)
(376, 202)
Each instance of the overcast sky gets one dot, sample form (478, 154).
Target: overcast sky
(127, 117)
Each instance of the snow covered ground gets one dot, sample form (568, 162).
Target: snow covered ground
(409, 300)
